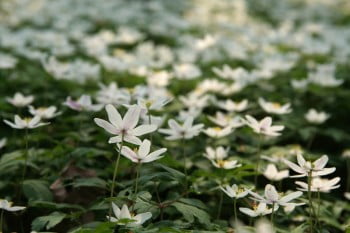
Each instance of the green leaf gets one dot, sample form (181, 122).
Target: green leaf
(37, 190)
(47, 222)
(191, 212)
(90, 182)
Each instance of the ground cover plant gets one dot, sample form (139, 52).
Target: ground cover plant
(175, 116)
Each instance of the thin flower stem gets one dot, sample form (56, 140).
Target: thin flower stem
(185, 162)
(258, 162)
(318, 208)
(149, 122)
(1, 221)
(273, 212)
(235, 209)
(136, 183)
(348, 180)
(309, 178)
(24, 172)
(115, 175)
(220, 205)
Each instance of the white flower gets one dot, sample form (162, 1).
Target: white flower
(346, 153)
(232, 106)
(218, 157)
(125, 128)
(264, 226)
(273, 174)
(19, 100)
(299, 84)
(194, 100)
(260, 210)
(186, 71)
(44, 113)
(224, 120)
(264, 126)
(84, 103)
(235, 192)
(6, 205)
(275, 108)
(185, 131)
(156, 103)
(124, 214)
(315, 117)
(26, 123)
(320, 185)
(304, 168)
(205, 43)
(3, 142)
(347, 195)
(142, 155)
(271, 196)
(111, 94)
(217, 132)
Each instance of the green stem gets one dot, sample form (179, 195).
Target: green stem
(318, 208)
(185, 162)
(235, 209)
(149, 122)
(220, 205)
(24, 172)
(311, 211)
(136, 183)
(1, 221)
(115, 175)
(273, 212)
(348, 180)
(258, 162)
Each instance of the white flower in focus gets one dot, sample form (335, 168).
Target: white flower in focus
(124, 128)
(234, 191)
(315, 117)
(6, 205)
(264, 126)
(124, 214)
(304, 168)
(320, 185)
(44, 113)
(84, 103)
(3, 142)
(217, 132)
(273, 174)
(26, 123)
(271, 196)
(185, 131)
(232, 106)
(142, 155)
(275, 108)
(260, 210)
(19, 100)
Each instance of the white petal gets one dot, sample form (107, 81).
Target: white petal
(107, 126)
(144, 148)
(290, 197)
(131, 117)
(113, 115)
(144, 129)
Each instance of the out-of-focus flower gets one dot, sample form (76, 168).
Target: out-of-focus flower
(218, 158)
(142, 155)
(43, 112)
(315, 117)
(111, 94)
(3, 142)
(187, 71)
(304, 168)
(273, 174)
(217, 132)
(26, 123)
(275, 108)
(264, 226)
(225, 120)
(185, 131)
(232, 106)
(19, 100)
(124, 214)
(320, 185)
(264, 126)
(6, 205)
(84, 103)
(124, 128)
(346, 154)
